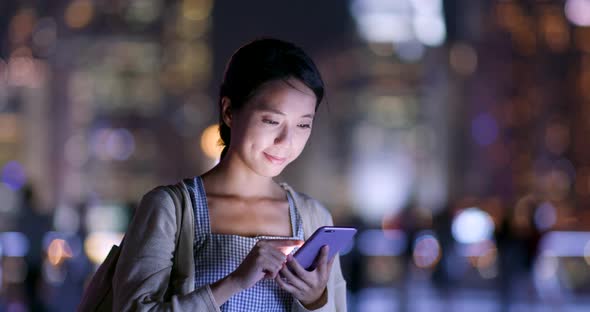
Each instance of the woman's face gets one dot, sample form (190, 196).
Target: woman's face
(272, 128)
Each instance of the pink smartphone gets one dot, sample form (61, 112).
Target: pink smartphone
(336, 237)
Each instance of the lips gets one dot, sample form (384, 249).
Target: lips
(274, 159)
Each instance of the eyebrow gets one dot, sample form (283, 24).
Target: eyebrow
(276, 111)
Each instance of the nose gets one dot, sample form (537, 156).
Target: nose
(284, 137)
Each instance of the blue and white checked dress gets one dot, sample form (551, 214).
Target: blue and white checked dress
(217, 255)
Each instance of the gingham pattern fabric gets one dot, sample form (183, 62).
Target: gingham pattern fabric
(217, 255)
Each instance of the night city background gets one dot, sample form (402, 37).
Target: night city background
(454, 136)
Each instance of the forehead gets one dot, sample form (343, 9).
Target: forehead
(289, 95)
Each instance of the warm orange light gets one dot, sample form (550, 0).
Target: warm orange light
(98, 244)
(196, 9)
(555, 30)
(210, 142)
(79, 13)
(9, 127)
(58, 251)
(21, 26)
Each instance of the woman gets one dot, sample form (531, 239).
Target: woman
(246, 224)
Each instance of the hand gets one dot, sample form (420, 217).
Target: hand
(264, 260)
(306, 286)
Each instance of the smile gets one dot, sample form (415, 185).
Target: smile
(275, 160)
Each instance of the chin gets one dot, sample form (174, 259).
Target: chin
(270, 172)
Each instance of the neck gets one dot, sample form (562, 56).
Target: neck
(232, 177)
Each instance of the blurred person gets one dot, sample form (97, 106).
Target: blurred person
(33, 224)
(517, 238)
(245, 222)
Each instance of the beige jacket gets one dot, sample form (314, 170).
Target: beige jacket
(143, 271)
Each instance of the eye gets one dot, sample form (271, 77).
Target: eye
(304, 126)
(269, 121)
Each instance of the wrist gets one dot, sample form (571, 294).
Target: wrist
(233, 283)
(316, 303)
(225, 288)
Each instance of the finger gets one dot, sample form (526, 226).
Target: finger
(330, 263)
(284, 242)
(286, 246)
(298, 270)
(271, 266)
(325, 269)
(274, 253)
(322, 259)
(286, 286)
(292, 279)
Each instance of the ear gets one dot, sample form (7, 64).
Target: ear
(226, 111)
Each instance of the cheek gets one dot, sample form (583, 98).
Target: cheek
(300, 142)
(260, 137)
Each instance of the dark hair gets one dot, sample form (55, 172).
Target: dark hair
(261, 61)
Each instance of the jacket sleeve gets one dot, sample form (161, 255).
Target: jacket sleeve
(336, 284)
(143, 270)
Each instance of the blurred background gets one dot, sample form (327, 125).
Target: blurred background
(454, 136)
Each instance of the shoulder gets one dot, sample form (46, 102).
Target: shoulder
(156, 204)
(158, 195)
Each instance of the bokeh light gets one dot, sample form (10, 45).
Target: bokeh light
(409, 25)
(144, 11)
(10, 127)
(427, 251)
(463, 58)
(430, 30)
(45, 36)
(555, 29)
(210, 142)
(454, 139)
(196, 10)
(14, 244)
(58, 251)
(110, 144)
(22, 25)
(98, 244)
(547, 266)
(55, 275)
(410, 51)
(545, 216)
(472, 225)
(13, 175)
(67, 219)
(381, 242)
(24, 71)
(79, 13)
(578, 12)
(105, 217)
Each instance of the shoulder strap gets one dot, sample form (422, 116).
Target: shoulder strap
(182, 275)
